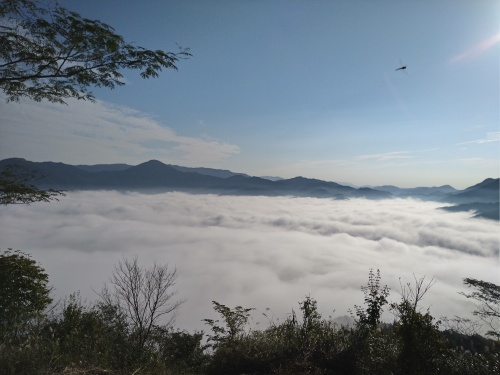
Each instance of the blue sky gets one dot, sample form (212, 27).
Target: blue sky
(289, 88)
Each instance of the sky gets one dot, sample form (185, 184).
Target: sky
(256, 252)
(290, 88)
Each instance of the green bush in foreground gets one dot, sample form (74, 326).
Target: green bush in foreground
(24, 295)
(100, 338)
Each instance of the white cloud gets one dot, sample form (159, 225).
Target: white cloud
(257, 251)
(90, 133)
(387, 156)
(490, 137)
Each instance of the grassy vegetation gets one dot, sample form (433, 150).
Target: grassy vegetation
(101, 338)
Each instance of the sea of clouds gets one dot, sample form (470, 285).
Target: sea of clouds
(260, 252)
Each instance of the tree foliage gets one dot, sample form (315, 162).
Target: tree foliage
(24, 291)
(420, 340)
(375, 299)
(234, 323)
(50, 53)
(16, 187)
(101, 338)
(487, 295)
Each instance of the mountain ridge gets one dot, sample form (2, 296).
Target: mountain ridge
(155, 176)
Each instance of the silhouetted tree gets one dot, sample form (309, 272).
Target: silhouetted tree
(24, 293)
(16, 187)
(48, 52)
(420, 340)
(234, 322)
(375, 299)
(144, 295)
(487, 295)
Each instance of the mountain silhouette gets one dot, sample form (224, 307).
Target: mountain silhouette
(486, 191)
(154, 176)
(157, 176)
(430, 193)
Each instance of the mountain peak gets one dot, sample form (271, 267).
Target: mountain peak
(489, 183)
(152, 162)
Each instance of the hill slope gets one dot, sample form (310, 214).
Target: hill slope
(154, 176)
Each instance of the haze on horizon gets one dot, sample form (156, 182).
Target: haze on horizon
(290, 88)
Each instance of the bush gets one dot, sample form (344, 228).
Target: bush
(91, 339)
(24, 295)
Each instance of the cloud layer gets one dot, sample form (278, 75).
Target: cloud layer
(257, 251)
(93, 133)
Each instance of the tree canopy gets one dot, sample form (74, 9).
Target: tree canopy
(23, 290)
(15, 187)
(487, 295)
(50, 53)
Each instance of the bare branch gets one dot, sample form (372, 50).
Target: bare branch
(487, 296)
(145, 296)
(414, 294)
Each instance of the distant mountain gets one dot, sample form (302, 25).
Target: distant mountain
(272, 178)
(319, 188)
(51, 174)
(486, 192)
(222, 173)
(154, 176)
(481, 199)
(484, 210)
(104, 167)
(488, 184)
(428, 193)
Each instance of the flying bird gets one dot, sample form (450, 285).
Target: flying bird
(401, 68)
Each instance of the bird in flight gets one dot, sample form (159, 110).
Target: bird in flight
(401, 68)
